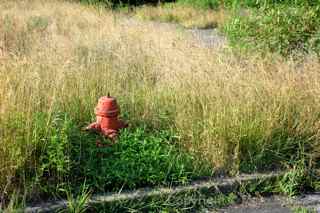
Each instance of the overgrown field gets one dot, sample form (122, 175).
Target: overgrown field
(283, 27)
(192, 111)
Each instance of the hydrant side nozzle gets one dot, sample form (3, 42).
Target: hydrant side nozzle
(93, 126)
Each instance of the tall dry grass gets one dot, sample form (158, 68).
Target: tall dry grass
(183, 14)
(234, 114)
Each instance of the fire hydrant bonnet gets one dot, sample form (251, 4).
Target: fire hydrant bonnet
(107, 107)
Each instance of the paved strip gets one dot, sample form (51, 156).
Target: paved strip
(219, 185)
(275, 204)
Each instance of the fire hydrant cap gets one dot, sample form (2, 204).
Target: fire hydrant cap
(107, 106)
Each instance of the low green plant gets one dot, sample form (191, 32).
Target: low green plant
(294, 181)
(303, 210)
(203, 4)
(222, 200)
(267, 3)
(17, 203)
(79, 202)
(259, 187)
(301, 176)
(55, 160)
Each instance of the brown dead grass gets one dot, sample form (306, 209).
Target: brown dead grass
(185, 15)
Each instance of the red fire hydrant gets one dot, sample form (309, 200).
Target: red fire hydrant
(107, 123)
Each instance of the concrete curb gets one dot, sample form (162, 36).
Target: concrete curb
(223, 185)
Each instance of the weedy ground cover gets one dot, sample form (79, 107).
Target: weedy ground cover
(284, 29)
(139, 158)
(303, 210)
(183, 202)
(193, 111)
